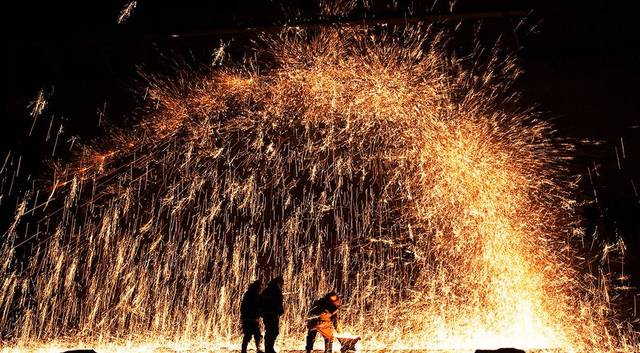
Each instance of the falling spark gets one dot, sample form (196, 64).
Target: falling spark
(6, 160)
(349, 159)
(101, 113)
(127, 11)
(37, 107)
(55, 144)
(218, 54)
(38, 104)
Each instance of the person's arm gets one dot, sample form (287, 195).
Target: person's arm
(243, 306)
(281, 308)
(334, 320)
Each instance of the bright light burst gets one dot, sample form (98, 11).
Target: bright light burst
(363, 160)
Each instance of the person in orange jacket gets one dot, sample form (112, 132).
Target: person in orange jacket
(324, 320)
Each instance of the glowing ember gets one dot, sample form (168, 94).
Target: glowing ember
(369, 163)
(126, 12)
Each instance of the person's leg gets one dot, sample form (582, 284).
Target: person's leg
(327, 333)
(271, 333)
(245, 342)
(276, 332)
(246, 335)
(311, 338)
(253, 330)
(269, 340)
(267, 333)
(328, 344)
(257, 336)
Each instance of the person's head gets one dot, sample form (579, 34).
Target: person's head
(277, 282)
(334, 299)
(255, 286)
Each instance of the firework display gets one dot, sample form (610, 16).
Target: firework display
(366, 160)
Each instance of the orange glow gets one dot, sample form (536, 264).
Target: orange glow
(373, 164)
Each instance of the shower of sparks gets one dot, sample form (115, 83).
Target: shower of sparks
(371, 163)
(126, 12)
(339, 7)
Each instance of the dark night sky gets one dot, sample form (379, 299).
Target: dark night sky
(581, 64)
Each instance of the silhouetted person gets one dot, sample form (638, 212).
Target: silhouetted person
(250, 316)
(272, 308)
(323, 319)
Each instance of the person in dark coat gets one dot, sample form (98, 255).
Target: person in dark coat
(250, 316)
(324, 320)
(272, 308)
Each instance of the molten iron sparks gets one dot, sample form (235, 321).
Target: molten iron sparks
(369, 163)
(126, 11)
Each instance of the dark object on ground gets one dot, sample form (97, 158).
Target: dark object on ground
(501, 350)
(348, 344)
(80, 351)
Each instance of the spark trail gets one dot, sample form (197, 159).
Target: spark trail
(363, 160)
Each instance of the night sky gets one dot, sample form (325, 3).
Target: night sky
(580, 61)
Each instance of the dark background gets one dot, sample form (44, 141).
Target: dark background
(581, 65)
